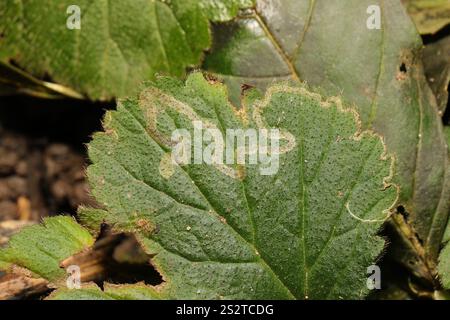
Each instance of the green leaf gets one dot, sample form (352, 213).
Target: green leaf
(437, 70)
(224, 10)
(227, 231)
(41, 248)
(444, 266)
(447, 134)
(120, 43)
(328, 44)
(109, 292)
(429, 15)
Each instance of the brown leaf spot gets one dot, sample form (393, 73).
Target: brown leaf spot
(145, 226)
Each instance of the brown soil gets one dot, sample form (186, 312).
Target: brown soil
(43, 156)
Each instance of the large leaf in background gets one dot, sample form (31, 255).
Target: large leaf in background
(120, 43)
(226, 231)
(327, 44)
(41, 248)
(429, 15)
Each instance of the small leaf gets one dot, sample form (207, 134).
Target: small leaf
(110, 292)
(41, 248)
(227, 231)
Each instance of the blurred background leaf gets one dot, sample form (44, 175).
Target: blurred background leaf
(429, 15)
(436, 59)
(119, 43)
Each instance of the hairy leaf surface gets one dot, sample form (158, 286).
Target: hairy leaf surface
(227, 231)
(41, 248)
(377, 70)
